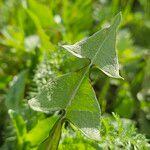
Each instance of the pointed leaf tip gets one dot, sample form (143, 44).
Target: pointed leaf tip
(117, 19)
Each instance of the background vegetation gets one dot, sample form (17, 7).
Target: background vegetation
(30, 34)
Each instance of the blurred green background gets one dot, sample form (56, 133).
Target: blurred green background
(30, 34)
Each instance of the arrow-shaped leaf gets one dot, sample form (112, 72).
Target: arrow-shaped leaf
(72, 92)
(100, 49)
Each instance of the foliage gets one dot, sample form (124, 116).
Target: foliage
(72, 92)
(33, 36)
(116, 133)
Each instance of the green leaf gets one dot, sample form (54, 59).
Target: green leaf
(52, 142)
(125, 104)
(41, 131)
(73, 93)
(45, 17)
(45, 41)
(20, 127)
(100, 49)
(15, 94)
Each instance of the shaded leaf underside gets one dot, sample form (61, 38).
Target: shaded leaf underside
(83, 111)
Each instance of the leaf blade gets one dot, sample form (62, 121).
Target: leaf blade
(15, 94)
(84, 112)
(100, 49)
(68, 94)
(36, 135)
